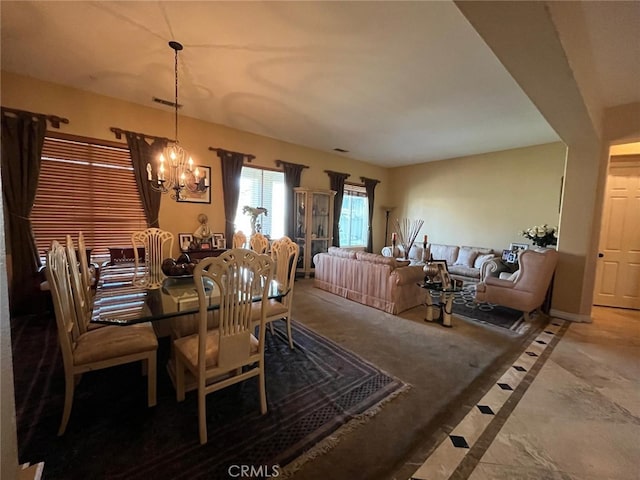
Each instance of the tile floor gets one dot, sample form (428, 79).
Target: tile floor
(568, 408)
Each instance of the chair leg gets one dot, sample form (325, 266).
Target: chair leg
(527, 317)
(69, 385)
(179, 380)
(202, 416)
(263, 391)
(150, 363)
(271, 328)
(289, 333)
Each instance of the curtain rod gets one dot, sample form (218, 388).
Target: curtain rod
(222, 151)
(55, 120)
(345, 175)
(119, 131)
(282, 162)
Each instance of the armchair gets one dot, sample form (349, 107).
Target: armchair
(527, 289)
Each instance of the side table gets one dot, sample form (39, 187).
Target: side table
(444, 306)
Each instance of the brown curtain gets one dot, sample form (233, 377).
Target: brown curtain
(370, 186)
(292, 174)
(336, 182)
(231, 163)
(141, 154)
(22, 139)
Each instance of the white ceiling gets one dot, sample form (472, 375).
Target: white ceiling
(395, 83)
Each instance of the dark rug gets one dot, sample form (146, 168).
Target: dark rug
(488, 313)
(316, 391)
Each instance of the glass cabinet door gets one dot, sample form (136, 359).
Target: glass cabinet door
(300, 230)
(313, 232)
(320, 234)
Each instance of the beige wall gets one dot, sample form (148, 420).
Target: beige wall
(92, 115)
(482, 200)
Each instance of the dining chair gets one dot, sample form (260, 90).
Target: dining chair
(96, 349)
(154, 241)
(284, 253)
(216, 357)
(239, 239)
(85, 271)
(259, 243)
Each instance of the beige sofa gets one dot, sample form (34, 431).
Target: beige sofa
(469, 264)
(371, 279)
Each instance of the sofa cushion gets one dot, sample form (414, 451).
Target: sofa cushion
(341, 252)
(466, 257)
(444, 252)
(480, 259)
(481, 250)
(375, 258)
(464, 271)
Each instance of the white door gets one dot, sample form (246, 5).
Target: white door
(618, 269)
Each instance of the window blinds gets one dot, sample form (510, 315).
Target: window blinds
(86, 186)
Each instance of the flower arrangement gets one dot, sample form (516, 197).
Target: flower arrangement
(254, 213)
(541, 235)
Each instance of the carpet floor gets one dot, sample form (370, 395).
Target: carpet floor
(312, 391)
(449, 369)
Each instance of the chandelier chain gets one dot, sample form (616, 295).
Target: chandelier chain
(176, 92)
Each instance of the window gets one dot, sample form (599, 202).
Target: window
(354, 217)
(86, 185)
(262, 188)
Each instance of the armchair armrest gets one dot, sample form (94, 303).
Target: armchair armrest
(492, 268)
(408, 274)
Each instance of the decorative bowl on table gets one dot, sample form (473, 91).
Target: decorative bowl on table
(180, 268)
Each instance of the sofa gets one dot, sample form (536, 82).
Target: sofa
(469, 264)
(371, 279)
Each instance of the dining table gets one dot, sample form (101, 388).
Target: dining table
(122, 299)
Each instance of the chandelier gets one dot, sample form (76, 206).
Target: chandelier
(175, 171)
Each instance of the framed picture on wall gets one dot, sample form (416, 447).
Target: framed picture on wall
(197, 189)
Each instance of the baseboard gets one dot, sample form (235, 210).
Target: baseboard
(572, 317)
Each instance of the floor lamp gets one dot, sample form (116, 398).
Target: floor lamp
(387, 211)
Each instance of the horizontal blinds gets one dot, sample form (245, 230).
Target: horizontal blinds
(262, 188)
(89, 187)
(355, 190)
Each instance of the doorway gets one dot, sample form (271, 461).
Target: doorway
(617, 282)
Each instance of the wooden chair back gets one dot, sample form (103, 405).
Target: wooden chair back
(239, 239)
(259, 243)
(158, 245)
(85, 271)
(57, 272)
(284, 253)
(78, 292)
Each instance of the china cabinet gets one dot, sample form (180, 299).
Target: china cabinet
(314, 225)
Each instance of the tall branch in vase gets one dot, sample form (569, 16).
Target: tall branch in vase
(407, 232)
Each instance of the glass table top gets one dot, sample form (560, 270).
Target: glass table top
(120, 301)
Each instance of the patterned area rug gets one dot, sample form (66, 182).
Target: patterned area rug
(488, 313)
(315, 393)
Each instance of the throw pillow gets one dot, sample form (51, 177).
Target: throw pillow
(480, 259)
(466, 256)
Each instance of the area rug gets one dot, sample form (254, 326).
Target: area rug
(315, 393)
(488, 313)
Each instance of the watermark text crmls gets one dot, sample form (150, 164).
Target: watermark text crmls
(254, 471)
